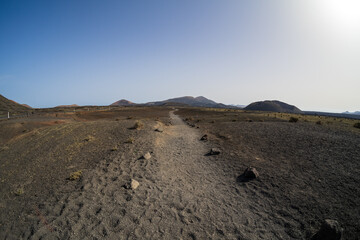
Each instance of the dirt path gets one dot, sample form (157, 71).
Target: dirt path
(183, 194)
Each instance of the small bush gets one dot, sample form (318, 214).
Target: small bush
(89, 138)
(138, 125)
(318, 122)
(357, 125)
(75, 175)
(293, 119)
(130, 140)
(114, 149)
(19, 191)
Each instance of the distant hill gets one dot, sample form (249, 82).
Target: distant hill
(329, 114)
(123, 102)
(238, 105)
(273, 106)
(190, 101)
(25, 105)
(353, 113)
(67, 106)
(7, 105)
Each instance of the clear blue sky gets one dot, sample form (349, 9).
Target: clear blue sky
(306, 53)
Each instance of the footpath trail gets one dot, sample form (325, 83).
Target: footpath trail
(183, 194)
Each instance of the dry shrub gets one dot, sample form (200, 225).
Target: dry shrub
(357, 125)
(318, 122)
(75, 175)
(138, 125)
(293, 119)
(130, 140)
(19, 191)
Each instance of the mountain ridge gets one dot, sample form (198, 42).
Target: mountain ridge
(7, 105)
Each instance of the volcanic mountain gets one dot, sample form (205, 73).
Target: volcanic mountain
(67, 106)
(273, 106)
(190, 101)
(7, 105)
(123, 102)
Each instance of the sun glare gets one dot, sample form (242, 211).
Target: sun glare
(341, 14)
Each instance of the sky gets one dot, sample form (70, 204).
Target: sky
(305, 53)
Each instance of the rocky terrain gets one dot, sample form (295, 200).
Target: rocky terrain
(162, 173)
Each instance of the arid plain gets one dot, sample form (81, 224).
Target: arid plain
(71, 175)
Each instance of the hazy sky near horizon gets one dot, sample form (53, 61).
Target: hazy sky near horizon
(305, 53)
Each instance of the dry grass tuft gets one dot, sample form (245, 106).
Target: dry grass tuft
(138, 125)
(19, 191)
(75, 175)
(130, 140)
(293, 119)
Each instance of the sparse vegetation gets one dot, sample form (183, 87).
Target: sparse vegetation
(75, 175)
(19, 191)
(89, 138)
(293, 119)
(138, 125)
(114, 149)
(130, 140)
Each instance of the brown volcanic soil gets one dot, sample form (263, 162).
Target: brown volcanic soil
(308, 172)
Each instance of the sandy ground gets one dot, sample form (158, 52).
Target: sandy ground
(307, 173)
(182, 195)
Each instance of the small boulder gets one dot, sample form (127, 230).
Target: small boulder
(159, 129)
(214, 151)
(204, 138)
(330, 230)
(251, 173)
(134, 184)
(147, 156)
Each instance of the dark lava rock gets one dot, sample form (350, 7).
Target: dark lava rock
(204, 138)
(160, 129)
(214, 151)
(330, 230)
(251, 172)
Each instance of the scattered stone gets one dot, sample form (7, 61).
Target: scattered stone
(214, 151)
(204, 138)
(330, 230)
(134, 184)
(159, 129)
(147, 156)
(251, 173)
